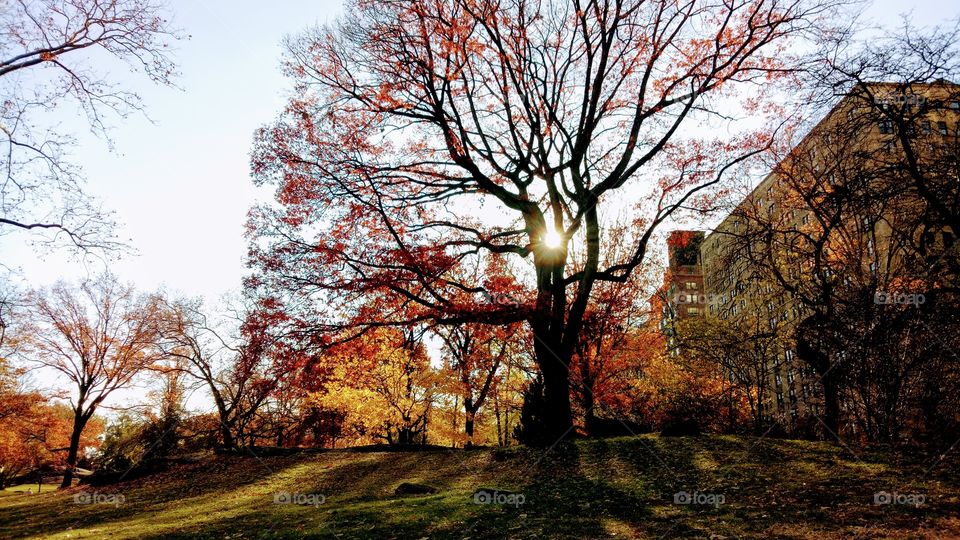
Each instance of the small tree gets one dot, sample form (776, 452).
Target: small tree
(99, 336)
(234, 371)
(475, 355)
(745, 353)
(384, 386)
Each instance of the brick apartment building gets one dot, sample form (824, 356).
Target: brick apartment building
(682, 295)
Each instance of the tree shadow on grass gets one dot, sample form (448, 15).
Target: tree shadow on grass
(561, 502)
(620, 488)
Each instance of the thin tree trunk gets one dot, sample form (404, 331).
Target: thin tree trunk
(78, 424)
(470, 414)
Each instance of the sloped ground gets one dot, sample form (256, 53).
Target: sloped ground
(615, 488)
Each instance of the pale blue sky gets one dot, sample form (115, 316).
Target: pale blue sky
(180, 185)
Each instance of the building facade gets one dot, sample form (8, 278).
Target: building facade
(763, 267)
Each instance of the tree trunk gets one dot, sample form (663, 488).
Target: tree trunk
(468, 426)
(587, 383)
(226, 436)
(456, 411)
(810, 336)
(556, 394)
(496, 414)
(549, 324)
(831, 404)
(78, 424)
(588, 403)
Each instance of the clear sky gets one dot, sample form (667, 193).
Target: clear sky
(180, 185)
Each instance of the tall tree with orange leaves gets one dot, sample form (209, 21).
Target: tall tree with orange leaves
(424, 135)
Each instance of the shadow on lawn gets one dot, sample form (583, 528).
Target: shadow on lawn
(562, 503)
(621, 487)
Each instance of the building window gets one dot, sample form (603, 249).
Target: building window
(691, 285)
(886, 127)
(693, 311)
(942, 127)
(805, 219)
(926, 127)
(955, 105)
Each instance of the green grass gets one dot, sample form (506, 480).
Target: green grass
(25, 488)
(614, 488)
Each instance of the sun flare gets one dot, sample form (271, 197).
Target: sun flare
(552, 239)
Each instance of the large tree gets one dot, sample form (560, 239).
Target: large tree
(47, 50)
(424, 135)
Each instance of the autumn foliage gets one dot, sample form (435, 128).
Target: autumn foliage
(427, 139)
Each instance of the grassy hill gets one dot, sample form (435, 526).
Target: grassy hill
(614, 488)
